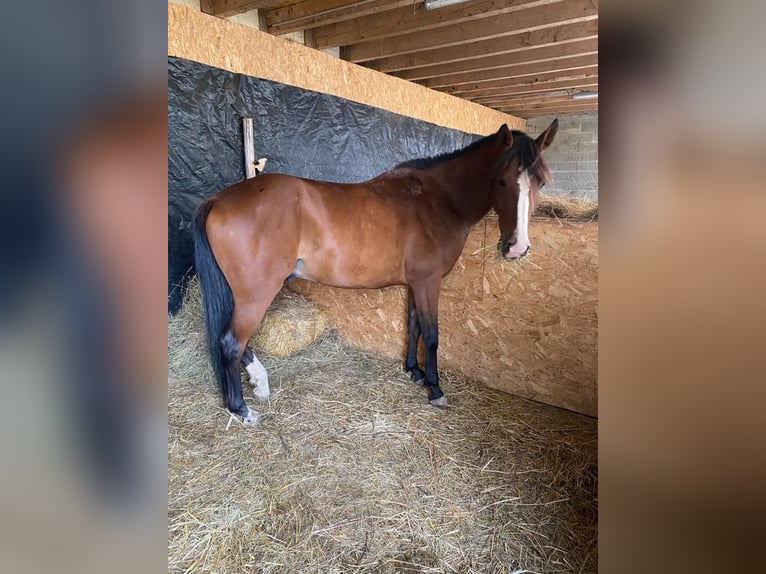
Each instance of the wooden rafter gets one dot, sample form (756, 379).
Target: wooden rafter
(414, 18)
(570, 49)
(311, 14)
(559, 65)
(464, 90)
(503, 45)
(492, 94)
(535, 18)
(228, 8)
(572, 106)
(524, 57)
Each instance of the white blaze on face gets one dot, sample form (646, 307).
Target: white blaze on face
(522, 218)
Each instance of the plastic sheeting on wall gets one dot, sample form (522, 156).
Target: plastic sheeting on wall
(300, 132)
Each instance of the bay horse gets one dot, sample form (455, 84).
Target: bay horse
(407, 226)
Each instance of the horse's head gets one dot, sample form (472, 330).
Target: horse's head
(522, 174)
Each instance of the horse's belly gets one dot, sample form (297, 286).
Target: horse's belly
(349, 271)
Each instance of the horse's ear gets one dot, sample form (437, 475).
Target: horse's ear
(505, 136)
(546, 138)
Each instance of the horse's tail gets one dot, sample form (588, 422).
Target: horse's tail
(217, 298)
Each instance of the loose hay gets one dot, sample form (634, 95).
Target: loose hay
(572, 208)
(352, 471)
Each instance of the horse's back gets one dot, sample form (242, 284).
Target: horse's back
(341, 234)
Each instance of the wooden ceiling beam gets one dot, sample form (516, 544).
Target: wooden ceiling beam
(563, 65)
(311, 14)
(580, 48)
(414, 18)
(465, 90)
(228, 8)
(487, 96)
(538, 17)
(557, 107)
(534, 114)
(535, 99)
(503, 45)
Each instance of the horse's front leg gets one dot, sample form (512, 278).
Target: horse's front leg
(426, 295)
(413, 324)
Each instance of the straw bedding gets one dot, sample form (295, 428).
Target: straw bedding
(572, 208)
(352, 471)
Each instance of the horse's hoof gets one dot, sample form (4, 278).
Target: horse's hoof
(440, 402)
(420, 382)
(252, 418)
(262, 398)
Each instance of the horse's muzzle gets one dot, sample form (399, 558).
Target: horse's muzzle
(511, 252)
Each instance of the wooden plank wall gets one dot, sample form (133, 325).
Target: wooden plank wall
(242, 49)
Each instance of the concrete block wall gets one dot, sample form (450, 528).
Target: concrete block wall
(573, 157)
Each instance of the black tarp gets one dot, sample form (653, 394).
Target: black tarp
(301, 132)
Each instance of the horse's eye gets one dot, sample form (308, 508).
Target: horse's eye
(502, 182)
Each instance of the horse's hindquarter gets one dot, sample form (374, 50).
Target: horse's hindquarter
(253, 229)
(354, 235)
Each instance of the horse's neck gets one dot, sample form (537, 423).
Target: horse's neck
(467, 190)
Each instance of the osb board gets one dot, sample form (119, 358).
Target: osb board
(527, 328)
(244, 50)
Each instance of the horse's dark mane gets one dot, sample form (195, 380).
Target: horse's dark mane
(424, 162)
(523, 146)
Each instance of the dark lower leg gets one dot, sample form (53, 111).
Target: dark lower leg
(232, 354)
(411, 363)
(431, 341)
(248, 356)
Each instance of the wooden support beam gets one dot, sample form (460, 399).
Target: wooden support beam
(534, 114)
(546, 16)
(564, 65)
(573, 105)
(415, 18)
(525, 103)
(314, 13)
(228, 8)
(503, 45)
(465, 90)
(580, 48)
(497, 100)
(560, 102)
(485, 96)
(249, 143)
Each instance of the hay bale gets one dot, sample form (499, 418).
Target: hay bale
(291, 323)
(572, 208)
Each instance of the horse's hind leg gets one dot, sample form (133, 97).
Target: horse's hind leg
(259, 378)
(231, 350)
(247, 316)
(411, 363)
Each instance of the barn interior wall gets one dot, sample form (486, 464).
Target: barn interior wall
(199, 37)
(574, 157)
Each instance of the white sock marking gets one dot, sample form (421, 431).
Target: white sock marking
(259, 378)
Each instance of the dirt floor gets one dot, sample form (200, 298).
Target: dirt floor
(352, 470)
